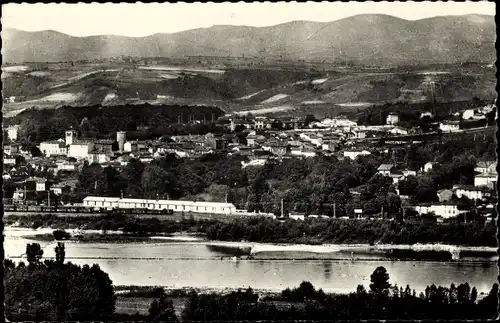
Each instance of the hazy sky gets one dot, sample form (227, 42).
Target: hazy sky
(145, 19)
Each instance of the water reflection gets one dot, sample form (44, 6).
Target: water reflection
(327, 270)
(193, 265)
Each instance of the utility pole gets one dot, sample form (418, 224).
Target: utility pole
(121, 194)
(281, 207)
(382, 212)
(48, 195)
(334, 210)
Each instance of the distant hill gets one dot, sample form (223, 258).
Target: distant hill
(365, 39)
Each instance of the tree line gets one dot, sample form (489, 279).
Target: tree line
(318, 231)
(267, 230)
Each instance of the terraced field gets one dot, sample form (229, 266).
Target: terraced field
(260, 91)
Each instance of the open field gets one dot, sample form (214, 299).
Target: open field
(132, 305)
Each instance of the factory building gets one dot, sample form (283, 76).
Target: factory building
(174, 205)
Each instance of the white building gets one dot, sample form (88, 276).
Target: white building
(442, 210)
(485, 179)
(468, 114)
(392, 118)
(396, 178)
(303, 152)
(80, 149)
(176, 206)
(255, 162)
(449, 126)
(485, 167)
(385, 169)
(408, 172)
(428, 166)
(473, 193)
(71, 136)
(9, 160)
(297, 217)
(358, 213)
(353, 154)
(398, 131)
(12, 132)
(342, 122)
(130, 146)
(51, 148)
(41, 184)
(64, 166)
(101, 202)
(98, 158)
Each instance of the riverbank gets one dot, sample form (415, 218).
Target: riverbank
(255, 248)
(311, 232)
(256, 251)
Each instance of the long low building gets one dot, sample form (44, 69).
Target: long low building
(174, 205)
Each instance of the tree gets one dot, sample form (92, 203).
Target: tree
(60, 253)
(310, 118)
(55, 291)
(33, 253)
(306, 290)
(360, 290)
(162, 310)
(380, 282)
(488, 306)
(473, 295)
(154, 181)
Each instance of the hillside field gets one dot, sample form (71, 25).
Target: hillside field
(259, 91)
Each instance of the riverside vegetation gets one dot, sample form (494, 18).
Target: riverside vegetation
(259, 229)
(59, 290)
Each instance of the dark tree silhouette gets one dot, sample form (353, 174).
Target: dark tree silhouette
(380, 282)
(162, 310)
(33, 253)
(60, 253)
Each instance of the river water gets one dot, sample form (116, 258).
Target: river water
(195, 264)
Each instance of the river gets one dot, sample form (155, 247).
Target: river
(177, 264)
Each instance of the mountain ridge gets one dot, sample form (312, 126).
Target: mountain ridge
(371, 39)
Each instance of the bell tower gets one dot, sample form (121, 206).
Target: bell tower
(71, 136)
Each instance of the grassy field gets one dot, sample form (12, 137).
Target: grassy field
(132, 305)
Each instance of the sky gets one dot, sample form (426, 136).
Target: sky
(145, 19)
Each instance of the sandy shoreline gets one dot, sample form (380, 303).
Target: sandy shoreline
(328, 248)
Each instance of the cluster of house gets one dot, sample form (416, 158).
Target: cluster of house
(481, 193)
(477, 114)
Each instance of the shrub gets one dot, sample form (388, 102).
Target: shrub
(61, 235)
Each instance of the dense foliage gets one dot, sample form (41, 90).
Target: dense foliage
(54, 290)
(108, 222)
(383, 301)
(259, 229)
(95, 121)
(351, 231)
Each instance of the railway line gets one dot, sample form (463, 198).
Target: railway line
(80, 210)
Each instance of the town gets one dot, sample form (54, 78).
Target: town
(47, 175)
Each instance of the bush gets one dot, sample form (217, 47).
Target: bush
(61, 235)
